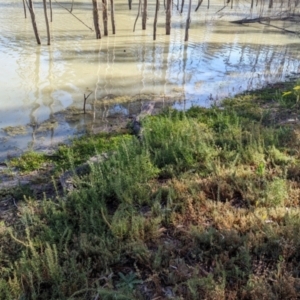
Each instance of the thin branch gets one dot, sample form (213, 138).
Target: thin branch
(24, 6)
(221, 9)
(84, 101)
(198, 5)
(281, 28)
(73, 15)
(137, 15)
(71, 9)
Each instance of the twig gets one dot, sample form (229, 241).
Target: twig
(74, 15)
(104, 218)
(84, 101)
(14, 202)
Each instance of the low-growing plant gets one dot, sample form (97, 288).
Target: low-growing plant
(128, 281)
(292, 96)
(205, 204)
(29, 161)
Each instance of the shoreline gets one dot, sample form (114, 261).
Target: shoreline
(206, 202)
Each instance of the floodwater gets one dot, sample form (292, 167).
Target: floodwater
(42, 88)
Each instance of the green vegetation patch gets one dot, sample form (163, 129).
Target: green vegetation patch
(29, 161)
(68, 156)
(15, 130)
(83, 148)
(205, 202)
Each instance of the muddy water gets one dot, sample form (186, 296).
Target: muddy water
(42, 87)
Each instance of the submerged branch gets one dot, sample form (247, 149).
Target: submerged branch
(255, 20)
(266, 21)
(280, 28)
(291, 18)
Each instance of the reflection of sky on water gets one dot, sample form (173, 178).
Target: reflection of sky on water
(119, 109)
(220, 59)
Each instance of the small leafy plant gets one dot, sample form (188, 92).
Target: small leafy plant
(128, 281)
(294, 93)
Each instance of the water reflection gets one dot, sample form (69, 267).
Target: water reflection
(38, 83)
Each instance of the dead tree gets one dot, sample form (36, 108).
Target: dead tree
(182, 5)
(188, 22)
(168, 17)
(24, 6)
(33, 21)
(47, 22)
(144, 17)
(71, 9)
(270, 3)
(199, 4)
(96, 19)
(137, 16)
(112, 15)
(50, 6)
(104, 15)
(155, 19)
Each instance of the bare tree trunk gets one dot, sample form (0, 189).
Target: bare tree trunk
(138, 14)
(112, 13)
(182, 5)
(129, 4)
(198, 5)
(155, 19)
(144, 18)
(96, 19)
(168, 18)
(47, 22)
(270, 3)
(24, 6)
(50, 5)
(188, 22)
(104, 15)
(71, 9)
(32, 14)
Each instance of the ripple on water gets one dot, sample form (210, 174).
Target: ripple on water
(220, 59)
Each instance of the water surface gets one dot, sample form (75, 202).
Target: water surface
(42, 87)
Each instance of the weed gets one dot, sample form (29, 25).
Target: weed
(129, 281)
(291, 97)
(29, 161)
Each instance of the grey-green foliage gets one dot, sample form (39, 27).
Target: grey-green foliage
(178, 143)
(276, 192)
(124, 177)
(128, 281)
